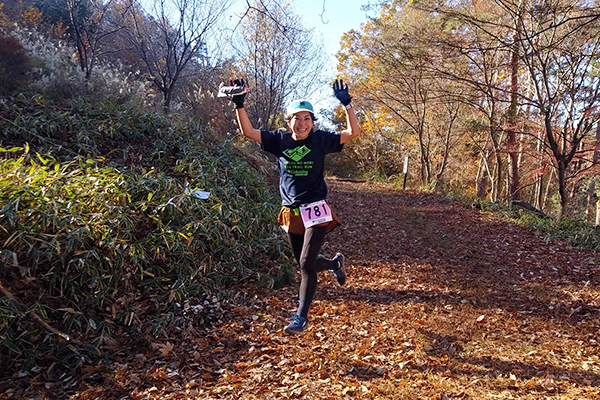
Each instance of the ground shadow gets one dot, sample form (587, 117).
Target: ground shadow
(448, 245)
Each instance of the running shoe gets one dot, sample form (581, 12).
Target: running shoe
(233, 90)
(297, 326)
(339, 273)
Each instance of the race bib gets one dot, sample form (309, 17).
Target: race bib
(315, 213)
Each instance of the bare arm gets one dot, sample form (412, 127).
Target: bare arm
(352, 129)
(246, 126)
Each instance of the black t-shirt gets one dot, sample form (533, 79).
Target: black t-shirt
(301, 164)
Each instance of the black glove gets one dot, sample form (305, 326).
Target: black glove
(340, 90)
(238, 100)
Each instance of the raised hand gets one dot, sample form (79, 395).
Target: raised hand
(340, 91)
(236, 92)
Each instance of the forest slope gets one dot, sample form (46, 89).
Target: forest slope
(442, 302)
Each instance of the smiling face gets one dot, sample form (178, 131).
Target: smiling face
(301, 125)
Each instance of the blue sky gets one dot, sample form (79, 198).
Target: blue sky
(332, 18)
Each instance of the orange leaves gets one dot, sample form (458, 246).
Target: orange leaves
(207, 376)
(300, 368)
(245, 365)
(463, 327)
(3, 17)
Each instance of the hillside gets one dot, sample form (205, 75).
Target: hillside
(103, 236)
(442, 302)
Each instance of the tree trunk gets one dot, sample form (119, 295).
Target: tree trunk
(167, 96)
(589, 209)
(447, 140)
(482, 179)
(513, 172)
(539, 184)
(562, 189)
(497, 185)
(547, 192)
(425, 168)
(590, 197)
(499, 174)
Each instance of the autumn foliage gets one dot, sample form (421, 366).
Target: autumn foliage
(122, 278)
(464, 90)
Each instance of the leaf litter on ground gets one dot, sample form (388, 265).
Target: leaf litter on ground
(442, 302)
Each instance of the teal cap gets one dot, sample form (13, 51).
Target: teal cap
(297, 106)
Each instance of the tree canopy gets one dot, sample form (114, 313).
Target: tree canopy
(513, 84)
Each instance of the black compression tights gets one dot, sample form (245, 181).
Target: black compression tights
(306, 252)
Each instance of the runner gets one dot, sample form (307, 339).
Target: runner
(305, 215)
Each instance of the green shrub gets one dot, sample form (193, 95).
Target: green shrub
(95, 249)
(83, 126)
(99, 235)
(572, 230)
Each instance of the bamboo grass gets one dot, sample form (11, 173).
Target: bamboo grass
(98, 235)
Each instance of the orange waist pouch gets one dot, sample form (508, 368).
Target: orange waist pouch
(290, 220)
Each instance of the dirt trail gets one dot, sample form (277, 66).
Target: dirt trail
(442, 302)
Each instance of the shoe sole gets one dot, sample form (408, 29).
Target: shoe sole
(289, 332)
(343, 270)
(294, 332)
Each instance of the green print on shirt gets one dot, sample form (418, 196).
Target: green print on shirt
(298, 153)
(297, 167)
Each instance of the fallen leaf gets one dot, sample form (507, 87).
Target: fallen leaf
(166, 349)
(300, 368)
